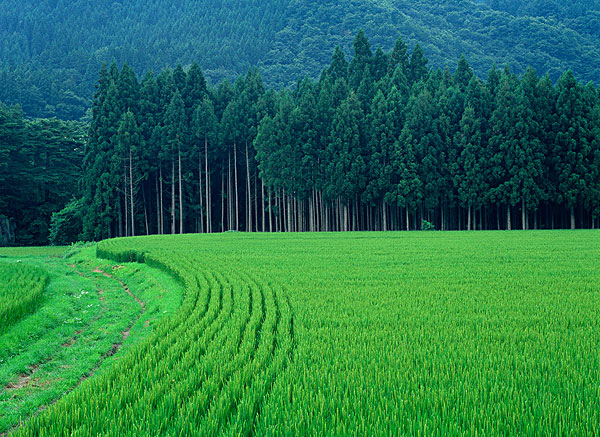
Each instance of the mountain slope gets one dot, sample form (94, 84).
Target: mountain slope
(51, 50)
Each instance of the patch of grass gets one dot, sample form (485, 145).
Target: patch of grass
(40, 251)
(21, 290)
(73, 334)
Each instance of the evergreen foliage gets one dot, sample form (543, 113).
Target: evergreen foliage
(40, 171)
(50, 51)
(66, 225)
(381, 142)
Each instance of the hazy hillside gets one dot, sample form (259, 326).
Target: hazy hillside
(51, 50)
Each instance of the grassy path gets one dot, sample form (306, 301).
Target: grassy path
(92, 312)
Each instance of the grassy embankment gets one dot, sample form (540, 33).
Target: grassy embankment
(78, 320)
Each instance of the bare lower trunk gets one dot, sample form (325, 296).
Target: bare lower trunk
(285, 227)
(278, 213)
(498, 217)
(237, 203)
(469, 217)
(131, 192)
(469, 208)
(270, 212)
(508, 222)
(162, 209)
(180, 195)
(207, 187)
(173, 196)
(281, 211)
(299, 208)
(288, 213)
(248, 197)
(294, 215)
(125, 202)
(157, 207)
(523, 215)
(222, 201)
(255, 203)
(345, 218)
(315, 210)
(209, 204)
(353, 216)
(442, 216)
(262, 207)
(145, 212)
(120, 215)
(229, 195)
(200, 194)
(311, 212)
(318, 211)
(572, 217)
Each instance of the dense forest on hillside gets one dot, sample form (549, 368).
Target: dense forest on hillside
(379, 142)
(51, 50)
(40, 171)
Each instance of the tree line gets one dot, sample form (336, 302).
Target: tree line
(379, 142)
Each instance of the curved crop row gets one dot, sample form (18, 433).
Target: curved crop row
(206, 370)
(357, 334)
(21, 290)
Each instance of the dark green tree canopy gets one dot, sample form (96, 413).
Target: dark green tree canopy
(52, 50)
(380, 142)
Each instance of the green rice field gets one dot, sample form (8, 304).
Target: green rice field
(409, 333)
(21, 289)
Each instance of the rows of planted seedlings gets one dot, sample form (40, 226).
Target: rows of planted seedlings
(357, 334)
(198, 373)
(21, 291)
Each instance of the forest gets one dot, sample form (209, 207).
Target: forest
(378, 142)
(40, 171)
(51, 50)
